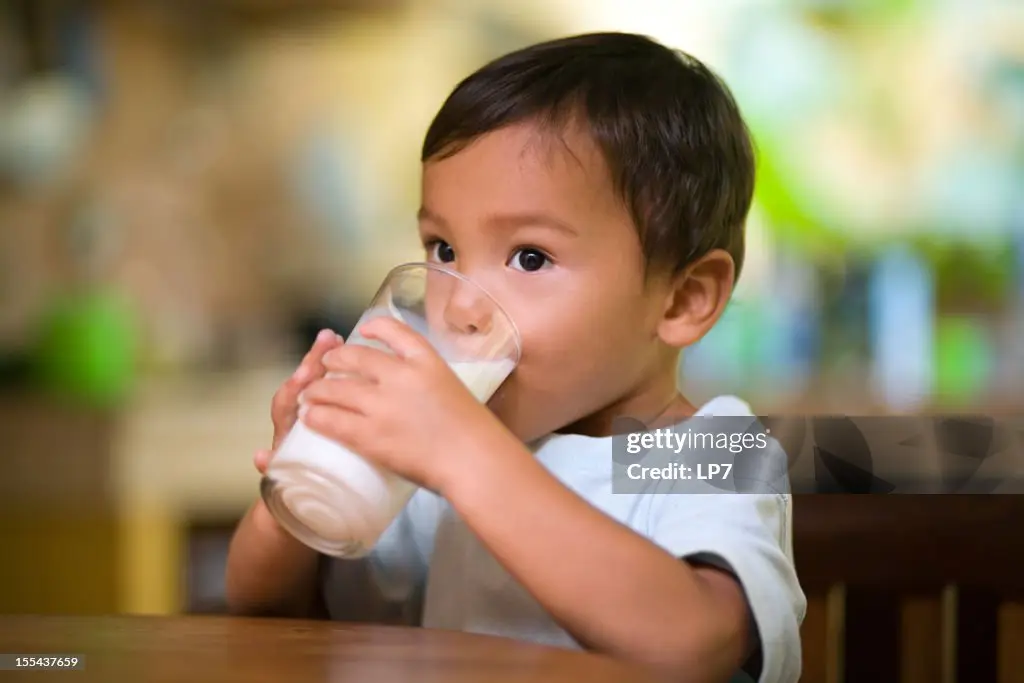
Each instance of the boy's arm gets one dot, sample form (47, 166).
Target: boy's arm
(612, 589)
(269, 573)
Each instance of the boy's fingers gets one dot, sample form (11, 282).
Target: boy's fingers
(310, 367)
(283, 404)
(360, 360)
(348, 392)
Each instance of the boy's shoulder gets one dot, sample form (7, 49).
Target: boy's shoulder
(725, 405)
(744, 529)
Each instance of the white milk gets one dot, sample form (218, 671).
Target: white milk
(335, 501)
(482, 378)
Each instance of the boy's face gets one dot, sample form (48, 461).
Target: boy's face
(533, 218)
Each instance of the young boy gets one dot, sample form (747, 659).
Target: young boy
(597, 187)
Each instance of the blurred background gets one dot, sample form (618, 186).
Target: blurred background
(189, 191)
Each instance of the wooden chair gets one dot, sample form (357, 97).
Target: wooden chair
(912, 588)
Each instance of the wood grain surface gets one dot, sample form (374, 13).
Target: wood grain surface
(198, 649)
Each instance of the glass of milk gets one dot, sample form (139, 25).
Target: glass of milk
(330, 498)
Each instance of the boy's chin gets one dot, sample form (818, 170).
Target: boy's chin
(524, 427)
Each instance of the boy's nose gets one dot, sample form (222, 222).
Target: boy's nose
(468, 311)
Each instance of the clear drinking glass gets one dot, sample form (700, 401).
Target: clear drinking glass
(330, 498)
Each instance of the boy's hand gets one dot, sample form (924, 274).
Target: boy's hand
(408, 412)
(284, 407)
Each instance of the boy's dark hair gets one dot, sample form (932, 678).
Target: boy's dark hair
(678, 150)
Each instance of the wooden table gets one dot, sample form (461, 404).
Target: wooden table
(150, 649)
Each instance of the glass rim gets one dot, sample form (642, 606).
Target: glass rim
(412, 265)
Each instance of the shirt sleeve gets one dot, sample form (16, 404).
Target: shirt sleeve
(748, 535)
(398, 563)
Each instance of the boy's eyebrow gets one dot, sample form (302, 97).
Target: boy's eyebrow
(508, 221)
(511, 221)
(425, 214)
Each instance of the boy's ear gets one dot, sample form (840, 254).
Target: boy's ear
(697, 298)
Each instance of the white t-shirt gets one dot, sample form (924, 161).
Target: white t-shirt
(467, 589)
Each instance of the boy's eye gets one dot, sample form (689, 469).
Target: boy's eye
(529, 260)
(441, 251)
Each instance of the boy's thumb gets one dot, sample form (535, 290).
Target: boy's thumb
(261, 460)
